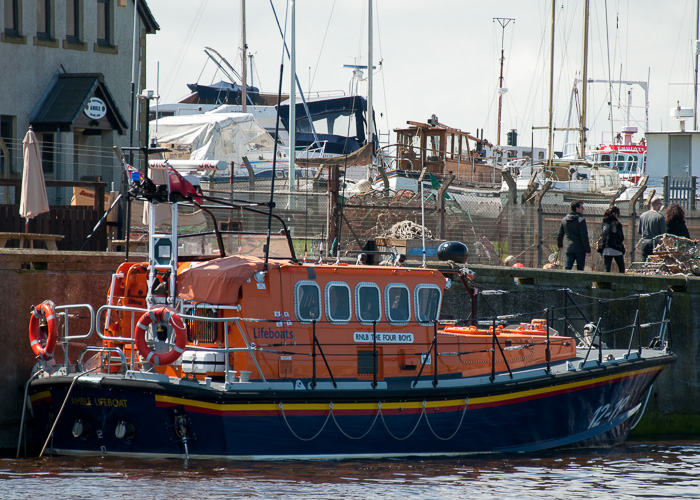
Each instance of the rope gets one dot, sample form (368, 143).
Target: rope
(65, 400)
(331, 415)
(376, 415)
(412, 430)
(284, 417)
(459, 426)
(407, 230)
(24, 409)
(641, 413)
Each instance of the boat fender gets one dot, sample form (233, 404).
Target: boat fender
(43, 318)
(163, 316)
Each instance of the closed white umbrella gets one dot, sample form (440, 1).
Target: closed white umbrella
(33, 200)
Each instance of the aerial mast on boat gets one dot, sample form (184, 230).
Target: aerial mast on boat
(244, 49)
(503, 21)
(370, 118)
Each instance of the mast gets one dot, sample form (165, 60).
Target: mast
(584, 87)
(370, 118)
(293, 102)
(695, 81)
(551, 85)
(503, 21)
(244, 49)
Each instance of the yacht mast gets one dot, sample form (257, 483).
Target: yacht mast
(293, 103)
(551, 86)
(503, 21)
(584, 86)
(370, 118)
(695, 82)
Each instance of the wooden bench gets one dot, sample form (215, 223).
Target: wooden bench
(49, 239)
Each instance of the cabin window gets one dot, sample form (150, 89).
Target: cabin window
(368, 303)
(335, 123)
(427, 303)
(398, 303)
(307, 301)
(338, 302)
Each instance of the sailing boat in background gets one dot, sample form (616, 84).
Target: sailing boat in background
(573, 173)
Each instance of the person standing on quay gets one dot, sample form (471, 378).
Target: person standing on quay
(573, 237)
(613, 240)
(675, 221)
(651, 224)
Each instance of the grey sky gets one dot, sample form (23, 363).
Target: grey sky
(441, 56)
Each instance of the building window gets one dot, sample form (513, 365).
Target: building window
(48, 153)
(12, 17)
(104, 23)
(74, 25)
(44, 19)
(7, 148)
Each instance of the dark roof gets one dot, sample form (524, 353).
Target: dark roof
(66, 98)
(147, 18)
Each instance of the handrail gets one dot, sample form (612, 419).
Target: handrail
(68, 307)
(430, 355)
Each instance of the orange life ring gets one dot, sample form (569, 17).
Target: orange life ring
(43, 311)
(167, 316)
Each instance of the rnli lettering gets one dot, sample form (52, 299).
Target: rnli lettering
(384, 337)
(84, 401)
(273, 334)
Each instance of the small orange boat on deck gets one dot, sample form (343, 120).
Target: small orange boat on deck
(243, 356)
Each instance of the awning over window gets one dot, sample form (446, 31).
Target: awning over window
(77, 101)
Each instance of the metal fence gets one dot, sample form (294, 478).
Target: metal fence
(61, 161)
(324, 224)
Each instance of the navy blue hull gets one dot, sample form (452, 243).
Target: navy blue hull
(595, 408)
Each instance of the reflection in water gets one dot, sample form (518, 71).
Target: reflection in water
(659, 470)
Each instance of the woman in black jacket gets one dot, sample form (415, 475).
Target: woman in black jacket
(613, 240)
(675, 221)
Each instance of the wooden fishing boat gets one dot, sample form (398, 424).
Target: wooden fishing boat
(238, 356)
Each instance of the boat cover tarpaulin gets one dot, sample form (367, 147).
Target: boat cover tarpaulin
(216, 136)
(218, 281)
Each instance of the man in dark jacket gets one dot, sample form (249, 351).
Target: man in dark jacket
(651, 224)
(573, 237)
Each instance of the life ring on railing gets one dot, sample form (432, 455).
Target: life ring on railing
(165, 316)
(45, 312)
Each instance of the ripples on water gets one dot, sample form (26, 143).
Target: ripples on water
(654, 471)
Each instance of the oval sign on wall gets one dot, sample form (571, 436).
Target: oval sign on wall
(96, 108)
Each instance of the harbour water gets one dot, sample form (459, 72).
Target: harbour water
(636, 470)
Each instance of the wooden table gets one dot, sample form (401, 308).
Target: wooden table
(134, 245)
(49, 239)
